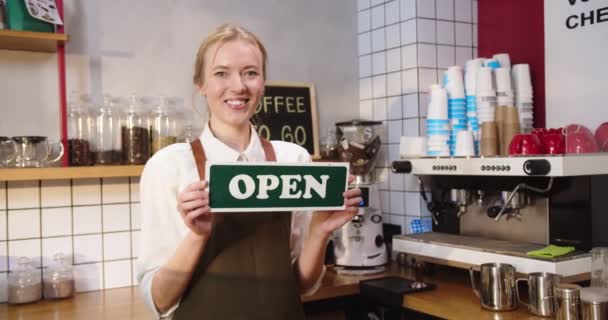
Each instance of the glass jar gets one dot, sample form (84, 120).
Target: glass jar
(107, 133)
(329, 146)
(135, 134)
(58, 281)
(164, 125)
(599, 267)
(80, 130)
(24, 285)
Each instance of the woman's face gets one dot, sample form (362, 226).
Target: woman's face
(233, 83)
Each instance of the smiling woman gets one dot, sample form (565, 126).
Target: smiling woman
(194, 263)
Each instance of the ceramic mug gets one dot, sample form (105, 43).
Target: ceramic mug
(601, 136)
(579, 139)
(525, 144)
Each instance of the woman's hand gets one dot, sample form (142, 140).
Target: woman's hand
(193, 206)
(324, 223)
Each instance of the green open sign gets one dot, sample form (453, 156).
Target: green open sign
(267, 186)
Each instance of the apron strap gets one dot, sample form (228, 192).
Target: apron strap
(200, 158)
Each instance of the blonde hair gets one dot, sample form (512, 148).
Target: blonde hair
(223, 34)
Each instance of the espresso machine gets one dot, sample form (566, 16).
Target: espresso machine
(359, 244)
(498, 209)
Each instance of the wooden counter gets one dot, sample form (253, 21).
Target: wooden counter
(453, 299)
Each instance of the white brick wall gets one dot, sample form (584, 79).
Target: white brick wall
(405, 46)
(93, 221)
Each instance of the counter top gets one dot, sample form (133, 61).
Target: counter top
(453, 299)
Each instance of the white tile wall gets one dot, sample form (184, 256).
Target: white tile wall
(115, 190)
(3, 225)
(393, 36)
(378, 40)
(86, 191)
(407, 9)
(393, 84)
(445, 9)
(395, 107)
(135, 216)
(365, 66)
(378, 17)
(115, 245)
(2, 195)
(363, 4)
(47, 217)
(408, 32)
(88, 248)
(392, 12)
(365, 43)
(425, 8)
(117, 274)
(55, 193)
(433, 35)
(364, 21)
(3, 258)
(52, 246)
(24, 248)
(23, 194)
(116, 217)
(56, 222)
(23, 224)
(88, 277)
(87, 219)
(379, 63)
(427, 54)
(393, 60)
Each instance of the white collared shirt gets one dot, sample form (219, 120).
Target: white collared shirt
(171, 170)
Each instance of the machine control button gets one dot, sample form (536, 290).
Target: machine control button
(483, 168)
(379, 241)
(434, 167)
(493, 168)
(376, 218)
(540, 167)
(401, 166)
(508, 168)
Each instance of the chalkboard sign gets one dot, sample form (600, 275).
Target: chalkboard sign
(288, 112)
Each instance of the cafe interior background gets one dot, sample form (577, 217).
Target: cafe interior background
(369, 59)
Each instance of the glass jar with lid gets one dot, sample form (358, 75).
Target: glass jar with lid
(164, 124)
(107, 135)
(58, 280)
(135, 134)
(80, 130)
(24, 285)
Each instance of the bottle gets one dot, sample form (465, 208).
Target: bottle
(135, 134)
(80, 131)
(24, 285)
(106, 124)
(164, 126)
(58, 281)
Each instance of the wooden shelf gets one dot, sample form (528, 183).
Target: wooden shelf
(24, 174)
(31, 41)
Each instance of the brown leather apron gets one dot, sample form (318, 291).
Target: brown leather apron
(245, 271)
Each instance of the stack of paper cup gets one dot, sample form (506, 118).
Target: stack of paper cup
(457, 108)
(470, 85)
(412, 147)
(511, 128)
(504, 93)
(503, 59)
(522, 85)
(464, 144)
(491, 63)
(437, 122)
(486, 95)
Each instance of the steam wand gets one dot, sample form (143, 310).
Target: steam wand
(522, 186)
